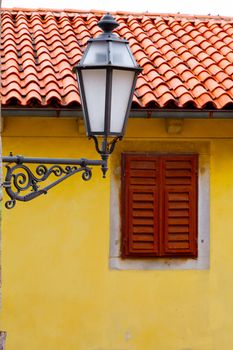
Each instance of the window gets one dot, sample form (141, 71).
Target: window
(159, 205)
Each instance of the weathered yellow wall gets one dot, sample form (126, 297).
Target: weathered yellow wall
(58, 291)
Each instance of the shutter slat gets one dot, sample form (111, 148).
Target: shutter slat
(142, 164)
(142, 181)
(177, 229)
(143, 205)
(178, 237)
(179, 245)
(178, 205)
(178, 197)
(143, 213)
(178, 173)
(137, 247)
(143, 221)
(178, 164)
(144, 238)
(178, 181)
(143, 229)
(177, 221)
(143, 196)
(178, 213)
(143, 173)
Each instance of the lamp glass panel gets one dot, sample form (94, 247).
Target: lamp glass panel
(122, 82)
(94, 81)
(120, 55)
(97, 54)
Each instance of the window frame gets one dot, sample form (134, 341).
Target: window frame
(202, 148)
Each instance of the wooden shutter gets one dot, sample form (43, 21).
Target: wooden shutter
(159, 205)
(140, 211)
(179, 199)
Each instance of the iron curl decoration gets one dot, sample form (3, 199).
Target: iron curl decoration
(22, 181)
(24, 184)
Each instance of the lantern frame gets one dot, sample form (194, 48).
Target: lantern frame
(107, 24)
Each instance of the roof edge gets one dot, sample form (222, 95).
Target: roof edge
(122, 13)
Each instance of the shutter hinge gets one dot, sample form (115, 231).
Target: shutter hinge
(125, 241)
(124, 246)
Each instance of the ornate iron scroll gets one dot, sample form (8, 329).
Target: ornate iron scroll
(24, 184)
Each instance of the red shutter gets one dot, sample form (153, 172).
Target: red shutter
(159, 205)
(140, 205)
(179, 195)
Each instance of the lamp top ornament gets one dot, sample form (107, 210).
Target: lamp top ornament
(108, 24)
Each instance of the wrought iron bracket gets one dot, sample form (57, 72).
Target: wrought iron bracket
(23, 183)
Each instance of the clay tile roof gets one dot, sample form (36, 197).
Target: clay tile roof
(187, 60)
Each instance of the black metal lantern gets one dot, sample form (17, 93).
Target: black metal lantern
(107, 75)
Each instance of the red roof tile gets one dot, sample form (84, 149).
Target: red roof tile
(186, 60)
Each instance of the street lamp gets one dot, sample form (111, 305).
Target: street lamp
(107, 75)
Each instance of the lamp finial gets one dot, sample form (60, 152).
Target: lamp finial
(108, 23)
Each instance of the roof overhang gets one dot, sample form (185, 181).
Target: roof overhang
(8, 111)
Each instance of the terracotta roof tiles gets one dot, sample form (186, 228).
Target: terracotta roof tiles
(186, 60)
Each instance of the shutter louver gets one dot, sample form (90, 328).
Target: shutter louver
(179, 195)
(140, 206)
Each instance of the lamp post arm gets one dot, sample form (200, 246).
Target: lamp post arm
(22, 183)
(32, 160)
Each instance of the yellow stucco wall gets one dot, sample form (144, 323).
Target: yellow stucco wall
(58, 291)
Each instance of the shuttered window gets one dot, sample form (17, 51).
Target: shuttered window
(159, 205)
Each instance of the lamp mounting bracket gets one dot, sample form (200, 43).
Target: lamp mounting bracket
(106, 147)
(23, 183)
(25, 176)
